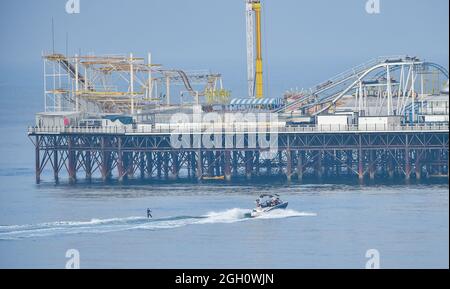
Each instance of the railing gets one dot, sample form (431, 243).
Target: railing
(241, 129)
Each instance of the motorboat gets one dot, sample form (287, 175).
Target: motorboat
(267, 203)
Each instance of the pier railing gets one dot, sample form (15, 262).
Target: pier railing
(240, 129)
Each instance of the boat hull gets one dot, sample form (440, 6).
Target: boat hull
(260, 212)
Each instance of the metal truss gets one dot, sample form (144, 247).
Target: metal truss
(403, 154)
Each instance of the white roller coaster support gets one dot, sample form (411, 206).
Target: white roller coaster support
(360, 78)
(399, 93)
(77, 101)
(405, 92)
(389, 90)
(150, 77)
(361, 98)
(413, 94)
(132, 83)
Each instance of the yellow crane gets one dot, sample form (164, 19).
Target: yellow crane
(254, 65)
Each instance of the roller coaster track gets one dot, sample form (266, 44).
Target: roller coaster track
(340, 79)
(424, 65)
(185, 79)
(335, 88)
(67, 66)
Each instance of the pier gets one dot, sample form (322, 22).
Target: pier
(112, 118)
(405, 152)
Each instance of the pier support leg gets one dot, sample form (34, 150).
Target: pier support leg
(407, 165)
(390, 165)
(210, 163)
(149, 159)
(72, 161)
(189, 165)
(289, 165)
(372, 169)
(130, 164)
(175, 166)
(142, 165)
(268, 167)
(88, 164)
(248, 164)
(199, 162)
(280, 162)
(159, 165)
(235, 164)
(120, 162)
(193, 165)
(327, 164)
(349, 163)
(257, 163)
(418, 165)
(166, 165)
(338, 159)
(55, 165)
(106, 160)
(218, 161)
(300, 166)
(361, 165)
(228, 166)
(38, 160)
(319, 167)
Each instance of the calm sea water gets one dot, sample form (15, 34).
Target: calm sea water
(206, 225)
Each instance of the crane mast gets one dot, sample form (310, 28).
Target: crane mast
(254, 65)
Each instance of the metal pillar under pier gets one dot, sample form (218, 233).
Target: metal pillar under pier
(72, 161)
(227, 165)
(88, 164)
(418, 165)
(373, 166)
(319, 167)
(199, 162)
(407, 165)
(105, 160)
(175, 166)
(149, 159)
(248, 164)
(55, 163)
(38, 160)
(361, 165)
(300, 165)
(289, 165)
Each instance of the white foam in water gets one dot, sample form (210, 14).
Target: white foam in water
(279, 214)
(98, 226)
(228, 216)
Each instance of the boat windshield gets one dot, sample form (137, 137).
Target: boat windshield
(265, 201)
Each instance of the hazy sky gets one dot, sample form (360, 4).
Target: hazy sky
(306, 41)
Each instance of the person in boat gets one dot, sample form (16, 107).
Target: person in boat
(275, 201)
(149, 214)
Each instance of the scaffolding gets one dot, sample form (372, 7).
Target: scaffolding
(121, 84)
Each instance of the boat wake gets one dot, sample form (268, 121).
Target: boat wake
(99, 226)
